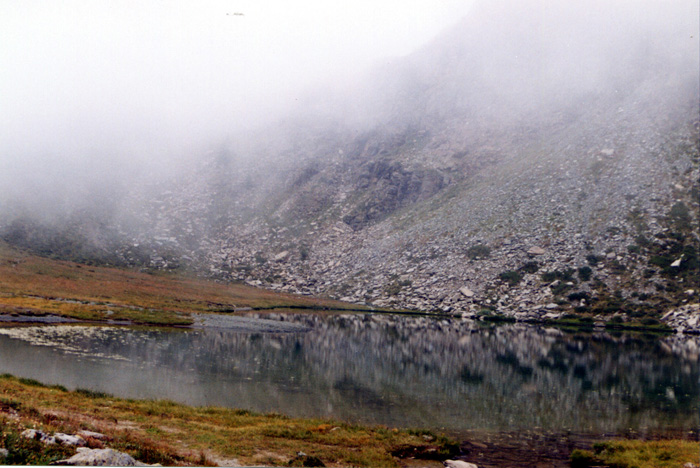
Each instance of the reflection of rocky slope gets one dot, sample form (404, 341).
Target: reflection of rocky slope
(511, 131)
(413, 372)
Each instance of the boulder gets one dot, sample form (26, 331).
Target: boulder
(38, 435)
(94, 435)
(458, 464)
(67, 439)
(281, 256)
(99, 457)
(535, 250)
(466, 292)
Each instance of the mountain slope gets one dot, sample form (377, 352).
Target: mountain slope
(538, 158)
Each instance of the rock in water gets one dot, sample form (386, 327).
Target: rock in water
(99, 457)
(458, 464)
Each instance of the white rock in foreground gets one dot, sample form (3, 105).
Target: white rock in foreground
(458, 464)
(99, 457)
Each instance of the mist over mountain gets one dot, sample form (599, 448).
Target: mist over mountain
(536, 158)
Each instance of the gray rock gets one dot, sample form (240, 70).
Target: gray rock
(458, 464)
(281, 256)
(4, 453)
(466, 292)
(67, 439)
(99, 457)
(95, 435)
(535, 250)
(38, 435)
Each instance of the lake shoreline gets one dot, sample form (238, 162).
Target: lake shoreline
(141, 422)
(36, 317)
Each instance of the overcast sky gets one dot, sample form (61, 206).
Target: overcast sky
(86, 82)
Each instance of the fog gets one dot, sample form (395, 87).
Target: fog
(95, 92)
(95, 95)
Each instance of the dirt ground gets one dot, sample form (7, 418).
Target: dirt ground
(534, 449)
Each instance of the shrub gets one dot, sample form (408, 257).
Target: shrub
(592, 259)
(478, 251)
(92, 393)
(392, 289)
(583, 459)
(617, 267)
(304, 253)
(680, 215)
(584, 273)
(511, 277)
(530, 267)
(563, 275)
(577, 296)
(642, 241)
(560, 288)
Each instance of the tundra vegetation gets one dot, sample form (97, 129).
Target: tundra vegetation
(173, 434)
(38, 286)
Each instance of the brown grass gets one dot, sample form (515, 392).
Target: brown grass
(174, 434)
(639, 454)
(37, 285)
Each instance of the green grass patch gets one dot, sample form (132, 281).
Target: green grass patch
(646, 325)
(638, 454)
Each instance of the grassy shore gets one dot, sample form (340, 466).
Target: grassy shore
(639, 454)
(32, 285)
(174, 434)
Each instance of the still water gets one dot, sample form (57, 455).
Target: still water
(393, 370)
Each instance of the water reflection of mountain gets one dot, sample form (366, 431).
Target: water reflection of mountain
(424, 372)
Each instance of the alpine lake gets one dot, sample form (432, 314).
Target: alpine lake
(450, 375)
